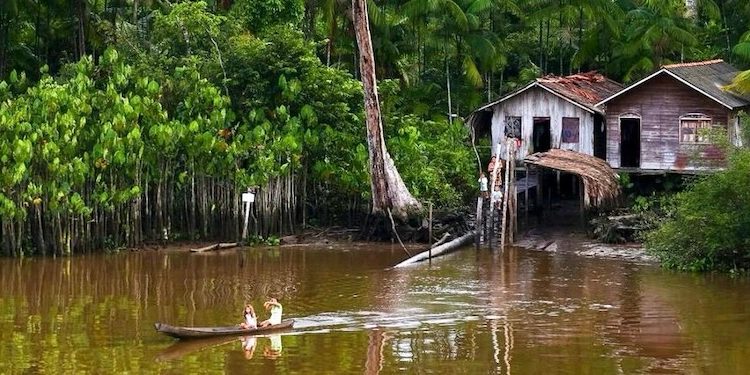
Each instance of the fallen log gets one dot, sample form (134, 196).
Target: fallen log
(439, 250)
(441, 241)
(218, 246)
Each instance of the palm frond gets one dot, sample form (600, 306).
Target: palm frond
(710, 9)
(740, 83)
(458, 15)
(472, 72)
(742, 50)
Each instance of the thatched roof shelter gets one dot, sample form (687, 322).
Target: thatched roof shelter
(601, 183)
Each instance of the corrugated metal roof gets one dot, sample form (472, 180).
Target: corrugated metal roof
(709, 77)
(583, 88)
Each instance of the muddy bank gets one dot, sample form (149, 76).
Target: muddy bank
(577, 243)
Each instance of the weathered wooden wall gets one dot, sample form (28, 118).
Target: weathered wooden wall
(537, 102)
(660, 102)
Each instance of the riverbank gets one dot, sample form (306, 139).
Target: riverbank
(566, 241)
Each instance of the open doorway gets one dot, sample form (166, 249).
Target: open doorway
(630, 142)
(600, 137)
(542, 134)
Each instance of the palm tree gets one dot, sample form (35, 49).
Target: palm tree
(658, 31)
(741, 82)
(458, 32)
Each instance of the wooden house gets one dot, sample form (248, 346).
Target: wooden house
(550, 112)
(662, 122)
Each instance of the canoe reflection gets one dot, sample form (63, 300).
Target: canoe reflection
(184, 347)
(273, 350)
(248, 344)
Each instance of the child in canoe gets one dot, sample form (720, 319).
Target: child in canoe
(275, 308)
(251, 321)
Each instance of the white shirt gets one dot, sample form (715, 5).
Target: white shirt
(483, 183)
(275, 315)
(251, 321)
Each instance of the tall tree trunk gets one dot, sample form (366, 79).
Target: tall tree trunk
(388, 190)
(448, 86)
(135, 15)
(541, 47)
(691, 9)
(81, 9)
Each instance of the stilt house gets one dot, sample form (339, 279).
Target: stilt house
(550, 112)
(662, 123)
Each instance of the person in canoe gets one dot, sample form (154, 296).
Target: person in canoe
(251, 321)
(275, 308)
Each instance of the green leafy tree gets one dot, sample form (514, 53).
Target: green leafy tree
(258, 15)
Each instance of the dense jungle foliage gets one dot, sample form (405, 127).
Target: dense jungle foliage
(123, 121)
(707, 226)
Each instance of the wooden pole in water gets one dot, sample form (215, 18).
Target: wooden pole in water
(504, 217)
(479, 222)
(539, 193)
(581, 193)
(430, 232)
(513, 202)
(492, 211)
(526, 198)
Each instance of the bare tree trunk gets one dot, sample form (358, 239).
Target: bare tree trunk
(135, 14)
(3, 42)
(81, 40)
(388, 190)
(691, 9)
(448, 86)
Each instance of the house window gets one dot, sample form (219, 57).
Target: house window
(513, 126)
(570, 127)
(694, 128)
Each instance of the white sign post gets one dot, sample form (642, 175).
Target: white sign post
(247, 199)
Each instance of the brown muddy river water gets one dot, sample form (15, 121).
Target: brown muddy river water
(471, 312)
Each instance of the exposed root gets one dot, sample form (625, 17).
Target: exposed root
(393, 228)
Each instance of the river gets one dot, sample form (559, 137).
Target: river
(471, 312)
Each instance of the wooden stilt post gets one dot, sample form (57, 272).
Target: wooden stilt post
(526, 198)
(480, 222)
(581, 193)
(540, 192)
(504, 218)
(430, 232)
(513, 199)
(492, 211)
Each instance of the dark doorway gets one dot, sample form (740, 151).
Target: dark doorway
(630, 142)
(542, 134)
(600, 137)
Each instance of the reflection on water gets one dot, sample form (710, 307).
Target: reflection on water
(471, 312)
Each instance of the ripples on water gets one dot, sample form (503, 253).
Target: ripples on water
(467, 313)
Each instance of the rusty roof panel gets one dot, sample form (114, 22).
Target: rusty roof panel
(586, 89)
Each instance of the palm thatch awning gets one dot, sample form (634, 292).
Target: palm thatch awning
(601, 183)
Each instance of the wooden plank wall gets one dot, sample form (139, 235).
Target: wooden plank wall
(660, 103)
(537, 102)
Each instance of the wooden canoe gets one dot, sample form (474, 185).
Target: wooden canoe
(202, 332)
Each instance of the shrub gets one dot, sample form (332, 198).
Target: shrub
(707, 226)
